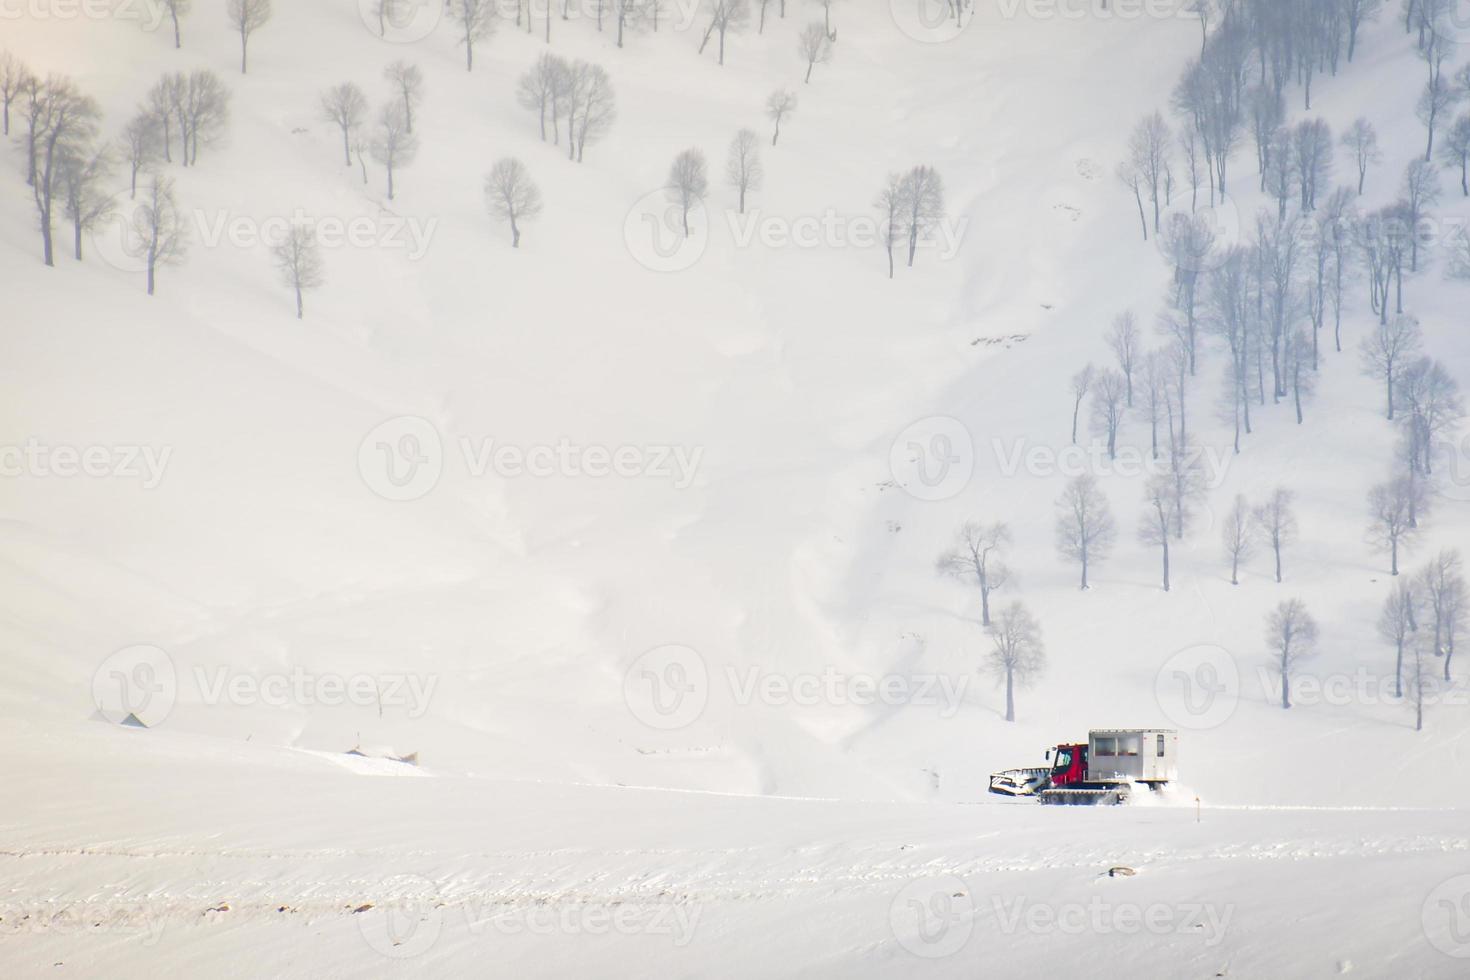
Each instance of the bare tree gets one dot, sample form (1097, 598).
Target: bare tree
(977, 555)
(924, 205)
(163, 101)
(1387, 348)
(1081, 385)
(1291, 636)
(202, 108)
(392, 144)
(86, 201)
(1085, 528)
(476, 20)
(1420, 684)
(538, 90)
(62, 122)
(1362, 139)
(177, 11)
(1237, 534)
(1392, 506)
(246, 17)
(511, 195)
(1429, 409)
(298, 259)
(13, 78)
(1280, 175)
(1108, 407)
(1155, 524)
(408, 80)
(1312, 145)
(1397, 625)
(1441, 583)
(1357, 13)
(1148, 157)
(1132, 179)
(1156, 375)
(815, 47)
(688, 182)
(725, 16)
(1017, 656)
(141, 145)
(1454, 151)
(1275, 522)
(743, 167)
(1420, 193)
(347, 107)
(892, 204)
(1267, 113)
(1434, 102)
(1124, 340)
(779, 105)
(160, 227)
(591, 107)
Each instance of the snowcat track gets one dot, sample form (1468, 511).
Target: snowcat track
(1075, 796)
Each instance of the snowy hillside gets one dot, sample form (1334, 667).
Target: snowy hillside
(628, 540)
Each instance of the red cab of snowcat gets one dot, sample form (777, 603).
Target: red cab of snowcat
(1068, 764)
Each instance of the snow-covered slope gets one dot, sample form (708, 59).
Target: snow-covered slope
(502, 624)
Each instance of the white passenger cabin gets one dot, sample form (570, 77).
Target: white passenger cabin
(1139, 755)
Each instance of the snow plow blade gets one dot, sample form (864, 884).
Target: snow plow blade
(1019, 782)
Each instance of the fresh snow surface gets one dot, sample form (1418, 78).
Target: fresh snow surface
(560, 823)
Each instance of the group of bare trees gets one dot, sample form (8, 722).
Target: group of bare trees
(910, 206)
(1017, 656)
(577, 91)
(1422, 619)
(390, 139)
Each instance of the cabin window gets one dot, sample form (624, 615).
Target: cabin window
(1107, 745)
(1161, 746)
(1129, 745)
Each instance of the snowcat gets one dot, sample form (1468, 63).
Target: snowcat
(1101, 771)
